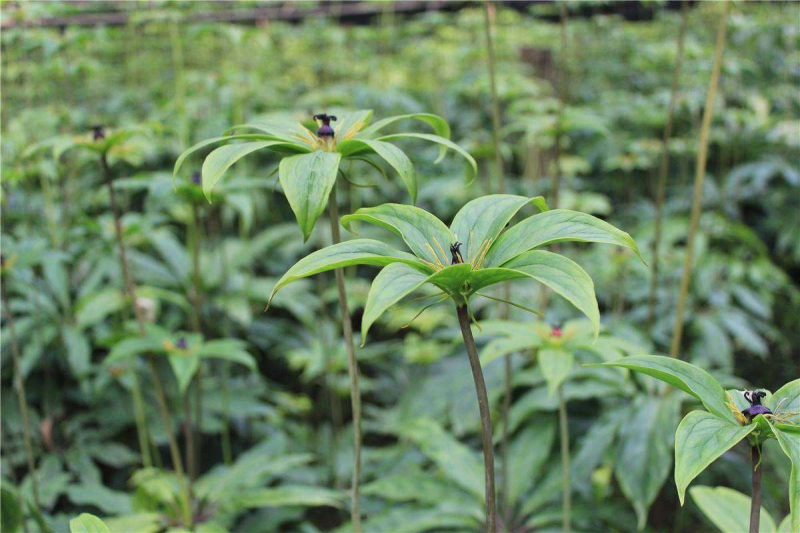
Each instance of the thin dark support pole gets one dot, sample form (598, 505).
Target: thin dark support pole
(755, 496)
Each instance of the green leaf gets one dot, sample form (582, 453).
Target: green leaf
(644, 453)
(139, 522)
(556, 365)
(558, 225)
(786, 402)
(684, 376)
(131, 347)
(789, 439)
(391, 285)
(283, 128)
(348, 253)
(58, 280)
(425, 235)
(439, 140)
(11, 515)
(87, 523)
(497, 348)
(562, 275)
(78, 351)
(290, 496)
(307, 181)
(223, 157)
(184, 366)
(452, 278)
(700, 439)
(95, 307)
(729, 509)
(392, 155)
(233, 350)
(439, 125)
(786, 524)
(208, 142)
(481, 220)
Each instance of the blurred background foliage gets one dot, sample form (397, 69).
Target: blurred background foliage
(276, 447)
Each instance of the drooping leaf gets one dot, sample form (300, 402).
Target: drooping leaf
(57, 278)
(395, 157)
(184, 366)
(87, 523)
(283, 128)
(439, 125)
(481, 220)
(78, 350)
(348, 253)
(391, 285)
(131, 347)
(223, 157)
(233, 350)
(562, 275)
(435, 139)
(556, 365)
(96, 306)
(425, 235)
(700, 439)
(729, 509)
(290, 496)
(528, 453)
(684, 376)
(208, 142)
(451, 278)
(644, 453)
(789, 438)
(497, 348)
(557, 225)
(11, 515)
(307, 181)
(350, 124)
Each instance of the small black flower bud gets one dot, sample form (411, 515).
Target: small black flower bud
(181, 344)
(197, 178)
(755, 409)
(455, 250)
(98, 132)
(325, 130)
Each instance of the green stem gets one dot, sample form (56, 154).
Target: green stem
(227, 450)
(180, 82)
(563, 423)
(562, 96)
(141, 420)
(755, 495)
(161, 397)
(486, 418)
(198, 378)
(664, 166)
(488, 12)
(700, 171)
(19, 386)
(188, 437)
(352, 367)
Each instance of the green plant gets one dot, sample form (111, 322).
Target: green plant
(489, 257)
(702, 436)
(308, 180)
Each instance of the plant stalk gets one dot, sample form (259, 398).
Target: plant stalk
(700, 171)
(562, 95)
(198, 378)
(161, 397)
(489, 12)
(352, 368)
(664, 165)
(19, 386)
(566, 487)
(755, 495)
(486, 419)
(141, 420)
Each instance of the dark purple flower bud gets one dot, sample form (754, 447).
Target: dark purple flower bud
(181, 344)
(455, 250)
(98, 132)
(325, 130)
(197, 178)
(755, 409)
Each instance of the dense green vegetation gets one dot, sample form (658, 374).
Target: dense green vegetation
(144, 383)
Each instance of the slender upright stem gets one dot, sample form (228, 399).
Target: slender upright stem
(566, 487)
(486, 418)
(141, 420)
(227, 451)
(188, 437)
(489, 12)
(664, 165)
(352, 368)
(180, 82)
(198, 378)
(19, 386)
(562, 96)
(700, 171)
(161, 397)
(755, 495)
